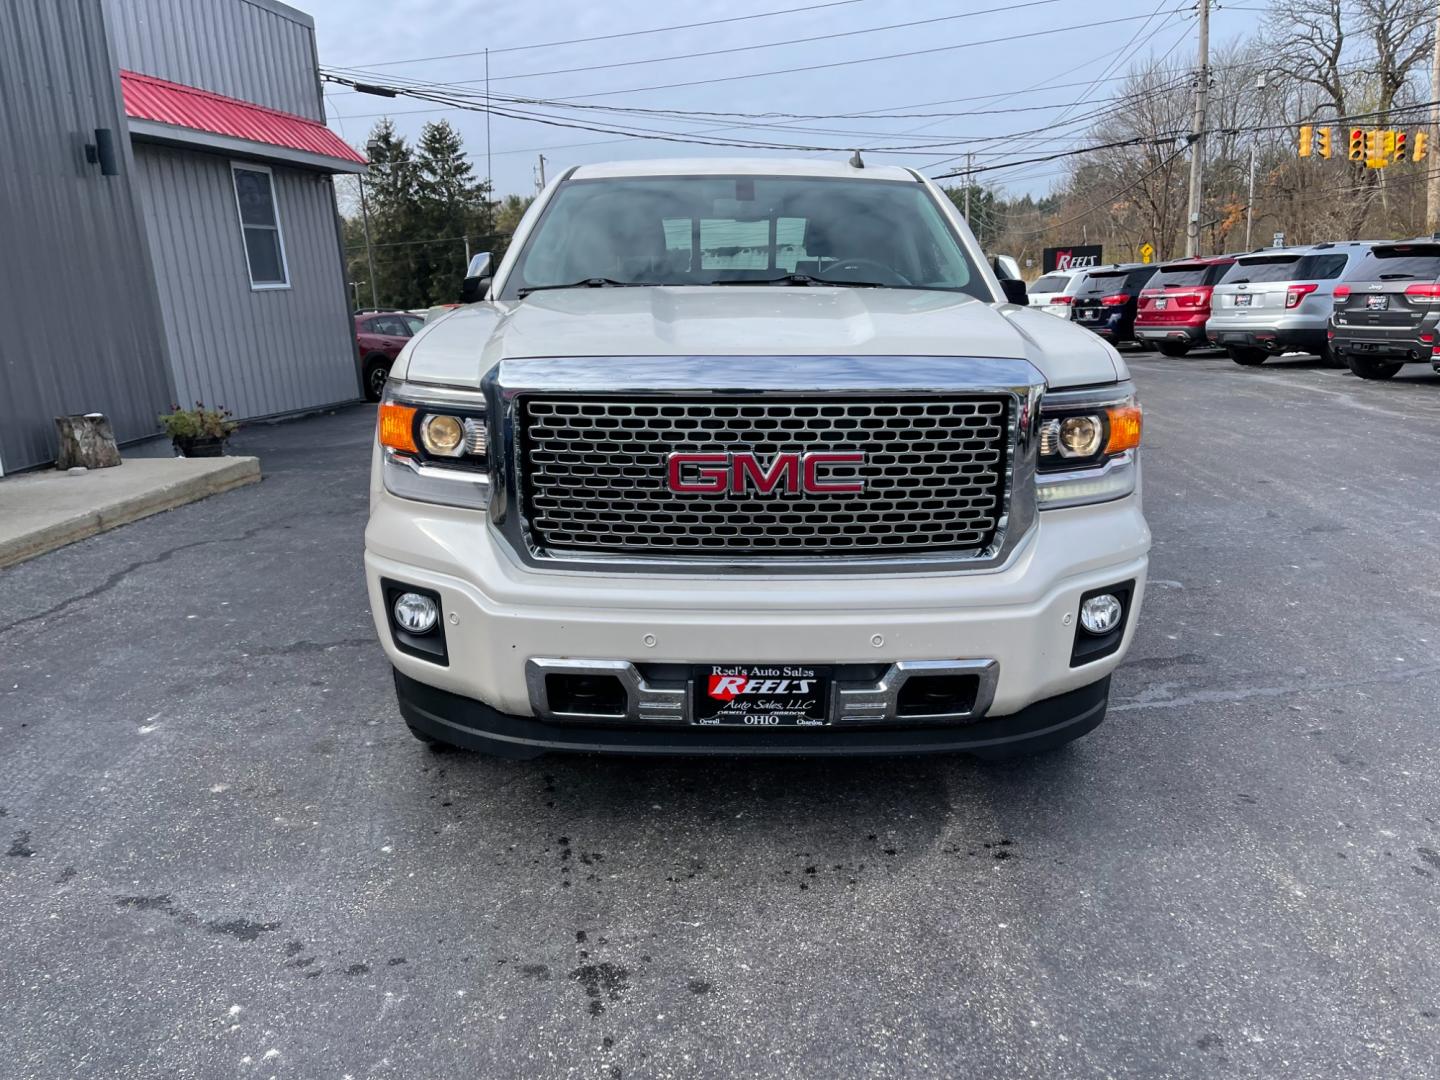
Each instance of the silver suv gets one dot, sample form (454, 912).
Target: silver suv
(1276, 301)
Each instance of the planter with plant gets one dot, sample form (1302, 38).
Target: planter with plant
(198, 432)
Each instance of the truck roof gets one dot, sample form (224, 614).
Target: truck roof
(718, 166)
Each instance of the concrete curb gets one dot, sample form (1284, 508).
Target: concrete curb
(198, 478)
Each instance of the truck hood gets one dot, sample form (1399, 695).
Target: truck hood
(459, 348)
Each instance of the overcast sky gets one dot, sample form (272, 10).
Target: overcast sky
(1015, 56)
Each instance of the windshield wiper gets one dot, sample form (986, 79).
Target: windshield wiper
(586, 283)
(802, 279)
(1394, 277)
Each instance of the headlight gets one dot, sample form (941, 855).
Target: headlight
(443, 435)
(435, 444)
(1088, 443)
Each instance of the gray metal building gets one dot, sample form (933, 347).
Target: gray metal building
(209, 267)
(84, 329)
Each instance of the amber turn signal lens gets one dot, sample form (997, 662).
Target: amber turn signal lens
(1125, 427)
(397, 428)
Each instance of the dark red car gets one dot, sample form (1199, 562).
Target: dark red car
(1175, 304)
(379, 336)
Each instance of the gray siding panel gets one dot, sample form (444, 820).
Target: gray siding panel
(83, 331)
(255, 50)
(257, 352)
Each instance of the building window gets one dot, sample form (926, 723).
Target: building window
(260, 226)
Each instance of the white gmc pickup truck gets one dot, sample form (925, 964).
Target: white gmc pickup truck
(754, 457)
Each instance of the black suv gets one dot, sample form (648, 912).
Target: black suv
(1107, 300)
(1387, 308)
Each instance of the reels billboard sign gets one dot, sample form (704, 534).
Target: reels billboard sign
(1074, 257)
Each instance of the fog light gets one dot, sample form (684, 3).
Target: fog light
(416, 614)
(1100, 614)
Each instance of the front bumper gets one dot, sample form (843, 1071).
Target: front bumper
(498, 614)
(445, 717)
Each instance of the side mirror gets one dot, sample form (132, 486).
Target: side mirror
(473, 289)
(1015, 291)
(478, 276)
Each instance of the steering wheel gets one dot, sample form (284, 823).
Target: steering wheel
(864, 270)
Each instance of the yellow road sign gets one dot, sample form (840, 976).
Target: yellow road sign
(1147, 252)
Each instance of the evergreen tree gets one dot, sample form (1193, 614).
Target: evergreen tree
(392, 188)
(454, 205)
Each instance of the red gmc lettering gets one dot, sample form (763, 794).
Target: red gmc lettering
(717, 474)
(713, 471)
(815, 485)
(785, 466)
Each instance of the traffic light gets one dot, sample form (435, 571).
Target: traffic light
(1397, 141)
(1306, 133)
(1418, 154)
(1322, 141)
(1375, 149)
(1357, 144)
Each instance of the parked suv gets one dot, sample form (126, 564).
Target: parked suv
(379, 337)
(1175, 305)
(1387, 309)
(1279, 301)
(1107, 300)
(753, 457)
(1054, 292)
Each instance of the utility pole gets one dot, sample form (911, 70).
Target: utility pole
(969, 183)
(1197, 133)
(1250, 199)
(489, 174)
(540, 175)
(1432, 159)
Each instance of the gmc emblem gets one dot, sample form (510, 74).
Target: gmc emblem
(735, 474)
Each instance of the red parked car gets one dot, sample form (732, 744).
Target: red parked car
(380, 335)
(1175, 304)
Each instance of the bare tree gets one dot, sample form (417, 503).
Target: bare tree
(1361, 57)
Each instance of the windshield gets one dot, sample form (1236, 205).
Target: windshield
(1391, 263)
(1286, 268)
(1051, 283)
(1116, 281)
(735, 230)
(1182, 276)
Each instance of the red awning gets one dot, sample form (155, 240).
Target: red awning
(158, 101)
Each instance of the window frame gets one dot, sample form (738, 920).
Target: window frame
(278, 228)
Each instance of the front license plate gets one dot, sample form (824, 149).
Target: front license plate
(1377, 303)
(1242, 299)
(1161, 303)
(761, 695)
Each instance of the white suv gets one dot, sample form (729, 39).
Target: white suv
(753, 457)
(1055, 292)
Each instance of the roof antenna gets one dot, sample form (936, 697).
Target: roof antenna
(856, 162)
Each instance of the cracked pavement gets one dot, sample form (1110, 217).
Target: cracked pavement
(222, 855)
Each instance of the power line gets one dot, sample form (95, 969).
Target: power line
(849, 63)
(698, 138)
(764, 45)
(613, 37)
(1118, 60)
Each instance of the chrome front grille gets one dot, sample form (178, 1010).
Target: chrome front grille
(592, 474)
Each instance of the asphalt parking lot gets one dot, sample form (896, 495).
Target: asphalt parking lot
(222, 855)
